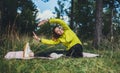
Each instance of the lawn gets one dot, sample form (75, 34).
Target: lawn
(107, 62)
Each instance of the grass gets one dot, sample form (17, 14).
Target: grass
(108, 62)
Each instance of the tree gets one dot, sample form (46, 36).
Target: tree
(9, 13)
(1, 9)
(71, 14)
(98, 25)
(17, 15)
(27, 16)
(110, 13)
(84, 18)
(60, 10)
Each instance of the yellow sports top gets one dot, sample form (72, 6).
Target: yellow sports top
(68, 38)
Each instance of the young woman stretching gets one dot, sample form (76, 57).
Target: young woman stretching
(63, 35)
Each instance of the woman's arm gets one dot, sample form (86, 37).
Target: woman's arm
(45, 41)
(59, 21)
(42, 22)
(36, 37)
(51, 42)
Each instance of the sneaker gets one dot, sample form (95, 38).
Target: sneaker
(27, 51)
(55, 55)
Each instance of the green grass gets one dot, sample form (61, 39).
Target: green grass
(108, 62)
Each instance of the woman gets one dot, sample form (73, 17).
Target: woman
(63, 35)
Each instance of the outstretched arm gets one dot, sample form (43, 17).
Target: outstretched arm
(50, 42)
(36, 37)
(45, 41)
(57, 21)
(42, 22)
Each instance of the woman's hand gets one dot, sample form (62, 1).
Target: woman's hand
(36, 37)
(42, 22)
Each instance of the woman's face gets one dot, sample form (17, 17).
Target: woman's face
(59, 31)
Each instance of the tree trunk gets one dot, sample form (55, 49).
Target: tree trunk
(98, 24)
(111, 16)
(71, 15)
(111, 25)
(0, 14)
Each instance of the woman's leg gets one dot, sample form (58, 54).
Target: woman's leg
(75, 51)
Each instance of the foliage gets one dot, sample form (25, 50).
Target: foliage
(45, 0)
(8, 14)
(18, 15)
(61, 9)
(111, 9)
(44, 30)
(84, 17)
(27, 18)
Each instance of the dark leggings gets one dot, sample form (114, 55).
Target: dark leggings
(75, 51)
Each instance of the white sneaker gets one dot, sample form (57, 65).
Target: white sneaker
(55, 55)
(27, 52)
